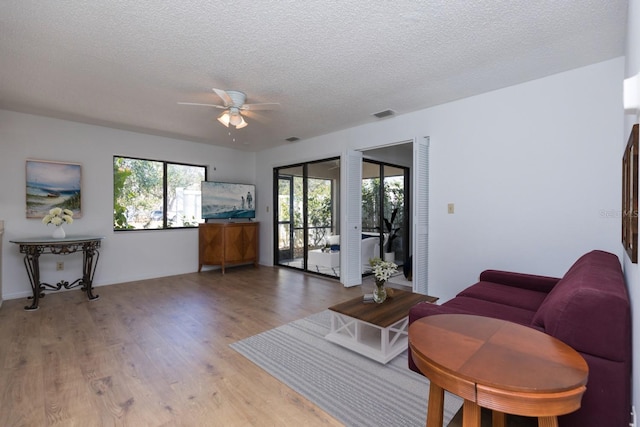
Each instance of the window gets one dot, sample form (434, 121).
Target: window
(152, 194)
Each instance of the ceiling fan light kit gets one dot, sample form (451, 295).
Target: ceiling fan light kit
(234, 103)
(232, 117)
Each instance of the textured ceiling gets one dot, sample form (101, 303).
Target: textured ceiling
(330, 64)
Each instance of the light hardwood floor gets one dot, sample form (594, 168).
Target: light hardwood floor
(156, 352)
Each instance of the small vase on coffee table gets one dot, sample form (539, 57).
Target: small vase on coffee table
(379, 292)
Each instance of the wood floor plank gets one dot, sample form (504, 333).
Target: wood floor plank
(63, 399)
(156, 352)
(152, 391)
(23, 346)
(22, 395)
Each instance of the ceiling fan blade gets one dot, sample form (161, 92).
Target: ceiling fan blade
(203, 105)
(262, 106)
(224, 96)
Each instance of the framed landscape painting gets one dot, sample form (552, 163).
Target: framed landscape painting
(630, 195)
(51, 185)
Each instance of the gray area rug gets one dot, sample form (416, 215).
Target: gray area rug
(353, 389)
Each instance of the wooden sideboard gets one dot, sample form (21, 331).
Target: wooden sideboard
(228, 243)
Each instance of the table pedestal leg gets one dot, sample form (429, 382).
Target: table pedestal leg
(471, 414)
(547, 421)
(498, 419)
(32, 264)
(435, 409)
(90, 262)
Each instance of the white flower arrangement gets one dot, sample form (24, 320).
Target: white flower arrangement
(58, 216)
(382, 270)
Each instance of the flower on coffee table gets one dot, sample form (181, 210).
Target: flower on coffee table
(382, 270)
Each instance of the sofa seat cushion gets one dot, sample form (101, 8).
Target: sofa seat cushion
(424, 309)
(504, 294)
(463, 304)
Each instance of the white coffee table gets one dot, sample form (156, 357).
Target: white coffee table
(324, 259)
(377, 331)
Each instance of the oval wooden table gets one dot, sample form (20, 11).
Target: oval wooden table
(499, 365)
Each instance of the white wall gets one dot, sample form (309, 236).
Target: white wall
(631, 271)
(124, 256)
(533, 170)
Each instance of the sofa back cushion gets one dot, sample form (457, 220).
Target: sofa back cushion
(588, 308)
(506, 295)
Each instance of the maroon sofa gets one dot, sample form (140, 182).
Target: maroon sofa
(587, 309)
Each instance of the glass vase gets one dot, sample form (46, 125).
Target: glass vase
(379, 292)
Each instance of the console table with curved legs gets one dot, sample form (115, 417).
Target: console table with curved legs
(32, 248)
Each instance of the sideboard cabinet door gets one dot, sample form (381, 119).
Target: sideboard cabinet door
(228, 243)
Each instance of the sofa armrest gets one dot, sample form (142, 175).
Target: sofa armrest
(424, 309)
(520, 280)
(592, 321)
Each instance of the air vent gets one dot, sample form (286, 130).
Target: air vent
(383, 114)
(293, 139)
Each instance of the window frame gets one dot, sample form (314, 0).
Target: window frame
(165, 167)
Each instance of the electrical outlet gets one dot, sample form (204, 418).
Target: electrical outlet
(59, 266)
(450, 208)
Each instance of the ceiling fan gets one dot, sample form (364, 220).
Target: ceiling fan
(234, 104)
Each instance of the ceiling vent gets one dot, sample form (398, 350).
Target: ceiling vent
(293, 139)
(383, 114)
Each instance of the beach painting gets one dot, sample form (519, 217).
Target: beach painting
(53, 185)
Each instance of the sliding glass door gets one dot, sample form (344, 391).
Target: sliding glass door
(394, 213)
(285, 223)
(306, 217)
(385, 208)
(289, 202)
